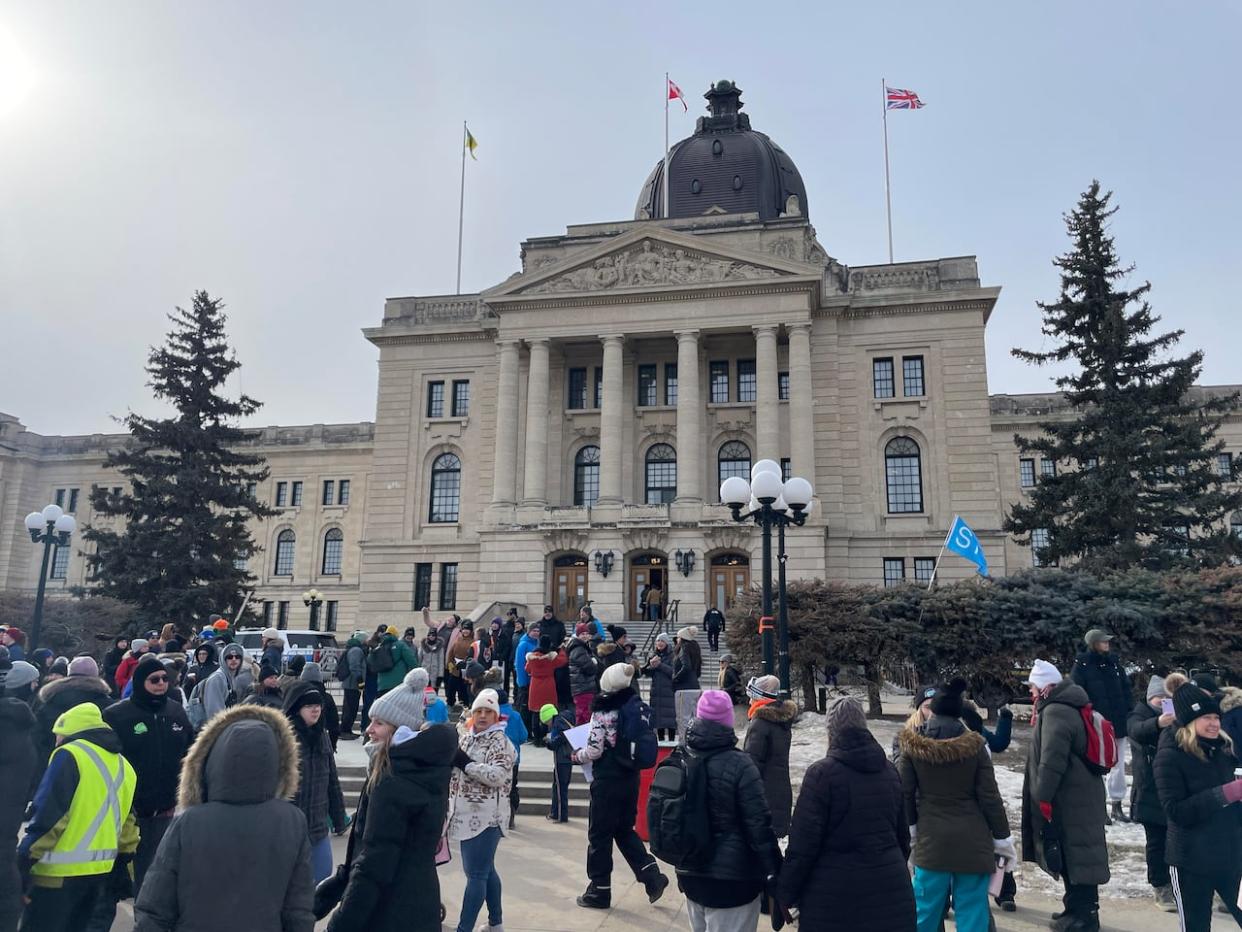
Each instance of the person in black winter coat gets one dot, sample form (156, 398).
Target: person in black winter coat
(155, 737)
(392, 884)
(768, 738)
(663, 705)
(59, 696)
(18, 769)
(319, 790)
(204, 664)
(687, 660)
(558, 722)
(1194, 770)
(845, 867)
(267, 689)
(313, 673)
(1146, 724)
(112, 660)
(1100, 672)
(713, 624)
(745, 859)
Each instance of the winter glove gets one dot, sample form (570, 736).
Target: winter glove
(121, 880)
(1006, 712)
(340, 830)
(329, 891)
(461, 759)
(1006, 853)
(1233, 791)
(1045, 810)
(769, 886)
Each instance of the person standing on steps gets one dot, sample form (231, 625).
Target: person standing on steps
(768, 738)
(1147, 722)
(521, 692)
(663, 706)
(687, 660)
(352, 674)
(714, 625)
(614, 795)
(1100, 672)
(582, 672)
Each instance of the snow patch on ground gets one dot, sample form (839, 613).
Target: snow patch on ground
(1125, 841)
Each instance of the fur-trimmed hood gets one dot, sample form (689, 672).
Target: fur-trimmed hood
(1230, 698)
(781, 712)
(257, 759)
(919, 747)
(606, 648)
(84, 684)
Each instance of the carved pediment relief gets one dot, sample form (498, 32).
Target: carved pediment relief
(645, 538)
(561, 540)
(727, 537)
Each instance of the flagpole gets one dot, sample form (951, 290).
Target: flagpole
(665, 172)
(888, 199)
(461, 206)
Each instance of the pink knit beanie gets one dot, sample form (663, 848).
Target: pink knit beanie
(715, 706)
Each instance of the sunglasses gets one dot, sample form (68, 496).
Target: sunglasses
(158, 678)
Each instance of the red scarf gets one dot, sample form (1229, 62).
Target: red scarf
(756, 705)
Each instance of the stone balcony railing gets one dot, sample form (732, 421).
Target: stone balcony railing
(434, 311)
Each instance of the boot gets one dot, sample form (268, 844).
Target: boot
(1083, 922)
(1165, 900)
(512, 819)
(1107, 819)
(1118, 815)
(1007, 904)
(596, 897)
(654, 882)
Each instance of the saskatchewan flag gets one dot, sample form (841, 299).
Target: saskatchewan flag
(471, 143)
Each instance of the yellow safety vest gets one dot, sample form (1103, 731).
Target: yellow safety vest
(92, 833)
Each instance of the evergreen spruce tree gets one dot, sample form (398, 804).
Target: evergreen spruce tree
(179, 555)
(1137, 481)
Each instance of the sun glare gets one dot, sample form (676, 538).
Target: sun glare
(18, 76)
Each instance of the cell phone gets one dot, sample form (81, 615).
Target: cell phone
(1166, 706)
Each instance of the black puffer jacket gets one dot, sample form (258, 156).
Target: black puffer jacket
(1144, 734)
(663, 705)
(581, 667)
(767, 741)
(744, 846)
(1205, 832)
(1102, 676)
(17, 772)
(57, 698)
(687, 665)
(393, 885)
(845, 867)
(155, 737)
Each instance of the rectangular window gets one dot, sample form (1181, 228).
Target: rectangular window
(1091, 462)
(894, 571)
(746, 381)
(329, 491)
(60, 498)
(282, 494)
(448, 587)
(598, 392)
(330, 618)
(422, 586)
(116, 489)
(342, 492)
(282, 615)
(1047, 467)
(647, 387)
(782, 386)
(1026, 473)
(882, 378)
(295, 495)
(1224, 465)
(435, 399)
(267, 614)
(923, 569)
(241, 563)
(73, 501)
(252, 489)
(786, 469)
(1039, 540)
(461, 398)
(60, 562)
(577, 399)
(719, 379)
(912, 376)
(670, 383)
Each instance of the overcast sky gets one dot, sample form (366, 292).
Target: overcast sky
(300, 160)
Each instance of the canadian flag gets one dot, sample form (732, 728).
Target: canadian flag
(674, 93)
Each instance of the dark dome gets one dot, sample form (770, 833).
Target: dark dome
(725, 167)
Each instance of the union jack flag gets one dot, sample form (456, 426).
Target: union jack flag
(899, 99)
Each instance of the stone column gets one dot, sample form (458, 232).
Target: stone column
(611, 420)
(767, 409)
(537, 425)
(504, 489)
(801, 403)
(689, 418)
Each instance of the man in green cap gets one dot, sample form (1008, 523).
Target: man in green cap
(557, 723)
(1099, 671)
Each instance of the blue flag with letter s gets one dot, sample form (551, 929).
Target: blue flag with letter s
(964, 543)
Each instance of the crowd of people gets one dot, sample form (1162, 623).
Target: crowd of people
(183, 766)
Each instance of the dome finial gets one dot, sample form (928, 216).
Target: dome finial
(724, 103)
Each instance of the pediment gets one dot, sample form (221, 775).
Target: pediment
(658, 259)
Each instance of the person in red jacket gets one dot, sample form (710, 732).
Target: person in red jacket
(125, 672)
(542, 666)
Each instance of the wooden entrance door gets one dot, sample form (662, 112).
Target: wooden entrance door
(569, 590)
(645, 571)
(730, 577)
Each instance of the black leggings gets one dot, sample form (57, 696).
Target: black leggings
(666, 734)
(1193, 893)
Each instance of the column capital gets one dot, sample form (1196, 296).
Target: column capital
(537, 341)
(616, 339)
(508, 342)
(764, 330)
(687, 335)
(802, 326)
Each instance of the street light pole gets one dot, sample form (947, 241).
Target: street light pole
(782, 622)
(49, 527)
(313, 598)
(765, 623)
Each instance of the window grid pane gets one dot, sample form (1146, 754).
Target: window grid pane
(422, 586)
(267, 614)
(282, 494)
(1039, 540)
(60, 562)
(295, 495)
(782, 386)
(894, 571)
(670, 383)
(435, 399)
(1047, 467)
(342, 494)
(882, 378)
(786, 469)
(60, 498)
(1026, 473)
(733, 460)
(1224, 465)
(923, 569)
(282, 615)
(903, 470)
(448, 586)
(333, 548)
(647, 386)
(661, 475)
(445, 489)
(329, 491)
(284, 554)
(577, 389)
(73, 501)
(333, 607)
(599, 387)
(746, 381)
(912, 375)
(586, 477)
(461, 398)
(719, 379)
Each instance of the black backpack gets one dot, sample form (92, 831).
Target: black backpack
(343, 673)
(678, 820)
(381, 659)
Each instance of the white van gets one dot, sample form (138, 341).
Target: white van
(319, 646)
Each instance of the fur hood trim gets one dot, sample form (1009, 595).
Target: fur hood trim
(88, 683)
(1231, 698)
(782, 713)
(606, 648)
(190, 792)
(919, 747)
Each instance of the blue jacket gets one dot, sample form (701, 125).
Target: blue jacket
(515, 728)
(437, 712)
(525, 646)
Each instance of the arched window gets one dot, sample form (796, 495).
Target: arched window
(586, 476)
(903, 472)
(661, 474)
(445, 489)
(732, 460)
(284, 553)
(333, 546)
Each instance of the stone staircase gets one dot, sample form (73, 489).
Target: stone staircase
(640, 631)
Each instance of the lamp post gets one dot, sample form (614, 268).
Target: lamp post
(770, 503)
(312, 599)
(48, 527)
